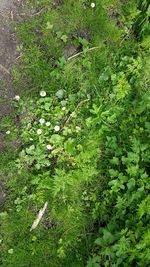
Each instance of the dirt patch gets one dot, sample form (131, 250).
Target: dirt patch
(8, 14)
(8, 54)
(6, 4)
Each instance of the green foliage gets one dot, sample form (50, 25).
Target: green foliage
(84, 137)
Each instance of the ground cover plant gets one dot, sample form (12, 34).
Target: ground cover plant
(83, 127)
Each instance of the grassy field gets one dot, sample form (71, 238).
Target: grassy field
(83, 131)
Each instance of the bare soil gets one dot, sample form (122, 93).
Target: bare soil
(8, 14)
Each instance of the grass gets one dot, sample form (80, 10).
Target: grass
(94, 173)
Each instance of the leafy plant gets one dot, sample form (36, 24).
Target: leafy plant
(84, 131)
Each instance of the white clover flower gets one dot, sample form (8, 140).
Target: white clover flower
(42, 93)
(8, 132)
(39, 131)
(48, 123)
(49, 147)
(17, 97)
(41, 121)
(93, 5)
(57, 128)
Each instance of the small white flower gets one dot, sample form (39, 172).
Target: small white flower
(31, 139)
(64, 108)
(57, 128)
(42, 93)
(17, 97)
(39, 131)
(49, 147)
(48, 123)
(41, 121)
(8, 132)
(93, 5)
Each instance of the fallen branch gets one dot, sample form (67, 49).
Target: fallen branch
(39, 216)
(12, 15)
(18, 57)
(78, 54)
(39, 12)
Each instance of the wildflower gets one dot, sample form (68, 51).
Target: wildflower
(49, 147)
(8, 132)
(17, 97)
(92, 5)
(31, 139)
(42, 93)
(57, 128)
(48, 123)
(64, 108)
(39, 131)
(42, 121)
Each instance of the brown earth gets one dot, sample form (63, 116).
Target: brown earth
(9, 11)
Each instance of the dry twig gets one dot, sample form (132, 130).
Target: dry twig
(12, 15)
(39, 12)
(78, 54)
(39, 216)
